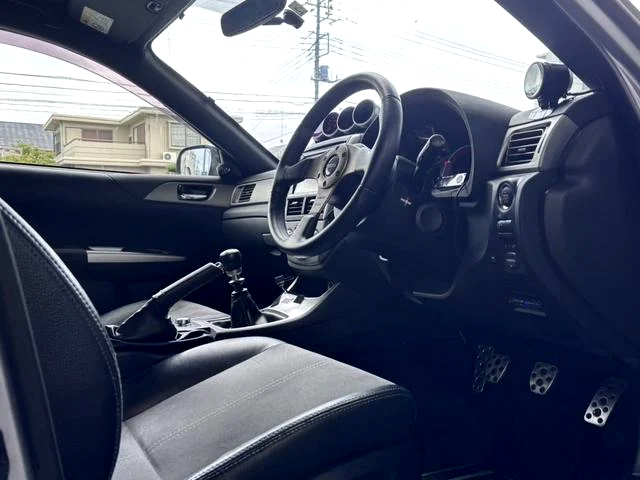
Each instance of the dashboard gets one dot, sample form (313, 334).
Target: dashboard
(509, 252)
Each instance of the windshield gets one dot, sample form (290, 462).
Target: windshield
(268, 78)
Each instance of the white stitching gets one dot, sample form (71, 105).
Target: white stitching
(291, 428)
(247, 396)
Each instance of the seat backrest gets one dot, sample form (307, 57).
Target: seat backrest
(78, 362)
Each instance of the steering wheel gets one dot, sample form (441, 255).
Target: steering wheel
(331, 167)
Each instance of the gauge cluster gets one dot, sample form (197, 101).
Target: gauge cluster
(350, 120)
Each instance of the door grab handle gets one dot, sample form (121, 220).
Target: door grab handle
(194, 192)
(197, 197)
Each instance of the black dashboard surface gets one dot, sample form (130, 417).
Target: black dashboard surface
(549, 294)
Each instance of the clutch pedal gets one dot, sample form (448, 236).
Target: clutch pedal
(489, 367)
(542, 377)
(604, 401)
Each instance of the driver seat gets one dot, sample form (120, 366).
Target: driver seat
(241, 408)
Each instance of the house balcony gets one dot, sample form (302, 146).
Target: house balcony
(104, 155)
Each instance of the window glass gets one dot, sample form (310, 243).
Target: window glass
(181, 136)
(269, 77)
(97, 135)
(55, 113)
(139, 134)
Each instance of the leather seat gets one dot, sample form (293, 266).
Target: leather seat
(182, 308)
(239, 408)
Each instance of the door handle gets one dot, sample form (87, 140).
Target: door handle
(194, 192)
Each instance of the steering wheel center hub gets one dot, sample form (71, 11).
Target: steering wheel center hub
(331, 165)
(335, 161)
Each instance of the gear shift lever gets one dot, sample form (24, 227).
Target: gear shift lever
(244, 311)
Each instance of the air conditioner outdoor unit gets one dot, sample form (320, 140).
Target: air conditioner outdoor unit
(169, 156)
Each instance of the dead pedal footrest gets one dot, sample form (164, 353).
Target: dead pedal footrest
(604, 401)
(489, 366)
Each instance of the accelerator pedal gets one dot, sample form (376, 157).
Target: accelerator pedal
(604, 401)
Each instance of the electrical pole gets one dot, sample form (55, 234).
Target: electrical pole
(316, 56)
(323, 12)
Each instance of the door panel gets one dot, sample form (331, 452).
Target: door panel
(123, 235)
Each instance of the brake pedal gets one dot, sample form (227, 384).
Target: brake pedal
(542, 377)
(489, 367)
(496, 367)
(604, 400)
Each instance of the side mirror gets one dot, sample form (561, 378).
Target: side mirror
(201, 160)
(249, 14)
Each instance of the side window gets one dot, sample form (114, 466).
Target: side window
(55, 113)
(181, 136)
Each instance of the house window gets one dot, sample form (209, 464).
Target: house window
(97, 135)
(56, 143)
(180, 136)
(139, 134)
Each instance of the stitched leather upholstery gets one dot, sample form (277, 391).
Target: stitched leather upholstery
(240, 408)
(255, 408)
(182, 308)
(79, 366)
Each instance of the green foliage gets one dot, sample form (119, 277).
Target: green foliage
(171, 168)
(30, 154)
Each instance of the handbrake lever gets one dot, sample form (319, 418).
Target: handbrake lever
(151, 322)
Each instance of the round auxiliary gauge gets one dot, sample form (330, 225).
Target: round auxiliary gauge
(547, 82)
(533, 80)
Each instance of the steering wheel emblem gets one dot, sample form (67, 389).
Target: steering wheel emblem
(331, 165)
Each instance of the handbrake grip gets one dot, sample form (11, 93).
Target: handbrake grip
(151, 322)
(168, 296)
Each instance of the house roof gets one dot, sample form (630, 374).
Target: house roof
(14, 133)
(54, 120)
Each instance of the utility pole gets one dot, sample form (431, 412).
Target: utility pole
(323, 12)
(316, 56)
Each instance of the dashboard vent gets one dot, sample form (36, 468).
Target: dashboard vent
(308, 203)
(295, 206)
(245, 192)
(523, 145)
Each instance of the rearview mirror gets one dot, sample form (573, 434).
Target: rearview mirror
(201, 160)
(249, 15)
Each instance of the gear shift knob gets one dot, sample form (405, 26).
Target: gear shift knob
(231, 261)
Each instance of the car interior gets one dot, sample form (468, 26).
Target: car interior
(425, 284)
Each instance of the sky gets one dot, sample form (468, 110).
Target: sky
(265, 76)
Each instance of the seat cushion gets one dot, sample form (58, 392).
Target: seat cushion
(255, 408)
(182, 308)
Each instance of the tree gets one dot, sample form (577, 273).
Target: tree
(30, 154)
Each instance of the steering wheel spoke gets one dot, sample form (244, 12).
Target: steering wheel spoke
(305, 229)
(305, 168)
(307, 225)
(359, 159)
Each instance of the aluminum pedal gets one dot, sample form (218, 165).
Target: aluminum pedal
(542, 377)
(489, 367)
(496, 367)
(603, 401)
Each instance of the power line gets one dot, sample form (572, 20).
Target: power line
(453, 44)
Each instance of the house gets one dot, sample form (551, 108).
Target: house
(12, 134)
(145, 141)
